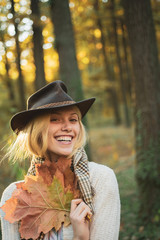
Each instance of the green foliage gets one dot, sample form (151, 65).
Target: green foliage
(147, 175)
(151, 232)
(19, 170)
(131, 228)
(148, 152)
(147, 162)
(0, 231)
(129, 203)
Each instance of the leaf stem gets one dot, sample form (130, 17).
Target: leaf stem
(59, 197)
(44, 198)
(37, 218)
(47, 208)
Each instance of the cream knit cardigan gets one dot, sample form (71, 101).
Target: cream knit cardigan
(106, 220)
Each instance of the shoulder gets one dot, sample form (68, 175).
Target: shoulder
(102, 176)
(7, 193)
(100, 171)
(9, 230)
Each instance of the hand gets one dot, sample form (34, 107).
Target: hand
(78, 214)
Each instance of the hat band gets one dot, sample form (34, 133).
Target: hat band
(57, 104)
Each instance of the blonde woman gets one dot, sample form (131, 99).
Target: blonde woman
(51, 130)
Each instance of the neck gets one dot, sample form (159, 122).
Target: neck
(54, 157)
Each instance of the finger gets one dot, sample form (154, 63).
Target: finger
(80, 208)
(86, 212)
(75, 203)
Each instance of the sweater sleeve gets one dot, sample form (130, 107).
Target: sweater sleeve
(9, 231)
(106, 220)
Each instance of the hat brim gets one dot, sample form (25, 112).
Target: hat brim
(21, 119)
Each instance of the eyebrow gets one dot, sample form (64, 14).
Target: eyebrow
(74, 113)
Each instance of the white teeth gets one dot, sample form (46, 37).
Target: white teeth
(64, 138)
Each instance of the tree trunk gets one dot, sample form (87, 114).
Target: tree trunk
(8, 81)
(123, 90)
(109, 73)
(127, 70)
(20, 78)
(38, 43)
(143, 45)
(65, 46)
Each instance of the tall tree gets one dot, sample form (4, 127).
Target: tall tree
(117, 48)
(144, 52)
(18, 59)
(108, 70)
(65, 45)
(126, 67)
(38, 43)
(8, 80)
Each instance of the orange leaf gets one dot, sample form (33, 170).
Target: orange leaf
(42, 201)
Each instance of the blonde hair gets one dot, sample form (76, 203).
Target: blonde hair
(33, 140)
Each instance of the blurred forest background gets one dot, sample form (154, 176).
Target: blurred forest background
(108, 49)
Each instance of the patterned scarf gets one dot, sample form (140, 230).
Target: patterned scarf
(80, 167)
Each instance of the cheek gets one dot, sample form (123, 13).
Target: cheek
(49, 135)
(51, 131)
(49, 139)
(78, 129)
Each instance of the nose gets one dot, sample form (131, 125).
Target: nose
(66, 126)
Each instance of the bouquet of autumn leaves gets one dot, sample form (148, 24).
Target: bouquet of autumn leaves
(42, 202)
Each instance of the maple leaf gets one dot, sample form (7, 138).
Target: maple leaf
(43, 201)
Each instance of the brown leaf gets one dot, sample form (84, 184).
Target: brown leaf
(42, 201)
(46, 170)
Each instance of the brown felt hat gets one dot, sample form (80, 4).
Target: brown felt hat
(52, 96)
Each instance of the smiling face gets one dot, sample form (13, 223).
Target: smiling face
(63, 132)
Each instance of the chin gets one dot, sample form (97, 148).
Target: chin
(65, 154)
(61, 151)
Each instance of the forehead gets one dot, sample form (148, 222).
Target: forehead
(67, 110)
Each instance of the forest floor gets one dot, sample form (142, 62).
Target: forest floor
(114, 147)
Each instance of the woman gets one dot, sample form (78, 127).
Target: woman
(51, 129)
